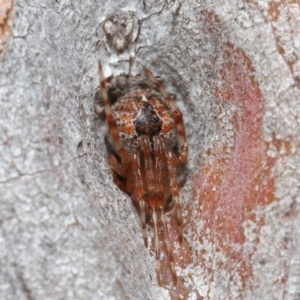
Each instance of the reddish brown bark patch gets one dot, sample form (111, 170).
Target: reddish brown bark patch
(235, 181)
(6, 13)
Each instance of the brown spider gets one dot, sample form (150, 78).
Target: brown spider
(145, 129)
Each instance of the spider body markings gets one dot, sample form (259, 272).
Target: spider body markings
(147, 134)
(143, 112)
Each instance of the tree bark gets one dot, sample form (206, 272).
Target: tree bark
(67, 232)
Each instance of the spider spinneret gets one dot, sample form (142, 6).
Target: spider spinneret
(147, 134)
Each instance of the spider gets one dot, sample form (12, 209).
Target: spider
(147, 134)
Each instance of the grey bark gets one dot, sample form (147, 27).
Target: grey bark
(67, 232)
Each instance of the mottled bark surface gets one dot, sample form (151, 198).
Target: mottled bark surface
(6, 14)
(67, 232)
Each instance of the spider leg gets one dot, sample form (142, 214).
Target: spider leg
(156, 241)
(167, 240)
(121, 185)
(148, 172)
(172, 162)
(183, 152)
(153, 194)
(112, 126)
(159, 162)
(143, 220)
(138, 194)
(116, 166)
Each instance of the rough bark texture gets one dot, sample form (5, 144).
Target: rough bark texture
(67, 232)
(6, 13)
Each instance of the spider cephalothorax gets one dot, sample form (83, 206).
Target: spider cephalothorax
(144, 112)
(147, 134)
